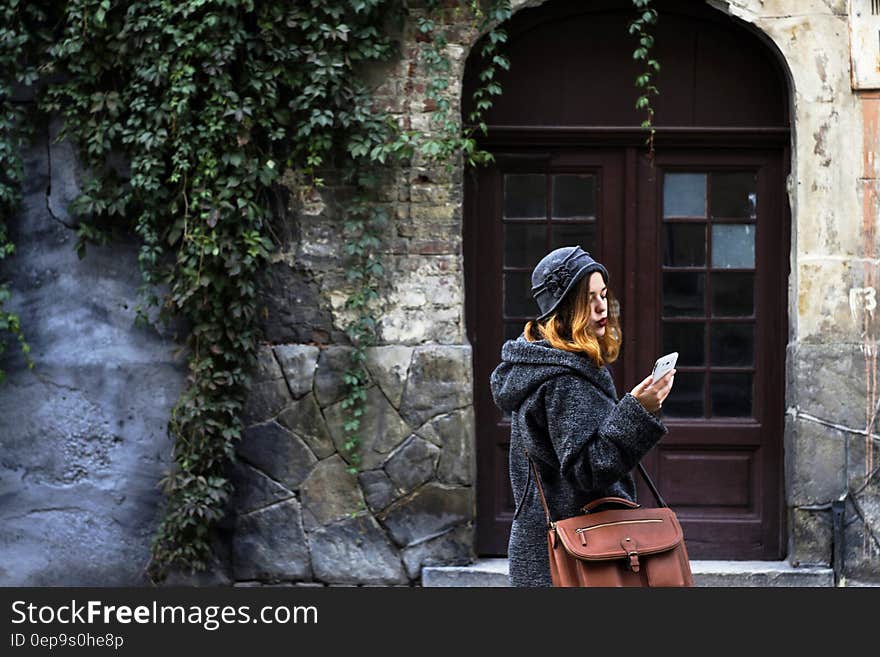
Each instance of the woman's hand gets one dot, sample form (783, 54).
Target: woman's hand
(652, 393)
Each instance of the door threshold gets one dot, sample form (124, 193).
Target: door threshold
(493, 572)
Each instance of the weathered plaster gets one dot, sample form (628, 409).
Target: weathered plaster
(833, 193)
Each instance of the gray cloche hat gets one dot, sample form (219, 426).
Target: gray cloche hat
(559, 272)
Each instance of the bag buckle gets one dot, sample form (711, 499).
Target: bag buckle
(632, 552)
(633, 561)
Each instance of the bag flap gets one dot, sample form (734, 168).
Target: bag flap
(614, 534)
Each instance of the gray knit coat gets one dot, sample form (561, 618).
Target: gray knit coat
(584, 441)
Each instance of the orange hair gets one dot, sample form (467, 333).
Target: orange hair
(568, 328)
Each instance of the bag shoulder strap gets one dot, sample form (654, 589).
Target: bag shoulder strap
(651, 486)
(533, 468)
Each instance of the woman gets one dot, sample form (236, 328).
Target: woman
(564, 407)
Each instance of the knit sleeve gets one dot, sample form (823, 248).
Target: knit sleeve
(596, 441)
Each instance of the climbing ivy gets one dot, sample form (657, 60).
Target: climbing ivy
(208, 101)
(448, 137)
(365, 225)
(186, 115)
(23, 37)
(443, 142)
(647, 17)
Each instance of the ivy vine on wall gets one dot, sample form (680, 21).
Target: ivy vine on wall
(446, 139)
(207, 103)
(24, 35)
(641, 27)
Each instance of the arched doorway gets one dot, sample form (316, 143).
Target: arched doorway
(697, 245)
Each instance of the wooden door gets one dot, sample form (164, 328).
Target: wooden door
(695, 246)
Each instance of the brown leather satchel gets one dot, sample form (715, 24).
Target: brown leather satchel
(630, 546)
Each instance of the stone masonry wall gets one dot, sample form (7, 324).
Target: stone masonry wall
(413, 503)
(301, 516)
(831, 398)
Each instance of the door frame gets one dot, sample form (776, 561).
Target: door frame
(541, 142)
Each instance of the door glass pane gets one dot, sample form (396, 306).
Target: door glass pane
(684, 245)
(525, 196)
(683, 294)
(732, 344)
(582, 234)
(684, 195)
(686, 397)
(733, 195)
(731, 394)
(574, 196)
(733, 294)
(733, 246)
(518, 301)
(524, 244)
(688, 340)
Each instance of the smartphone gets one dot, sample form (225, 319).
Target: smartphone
(663, 365)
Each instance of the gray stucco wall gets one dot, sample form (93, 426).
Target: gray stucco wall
(82, 436)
